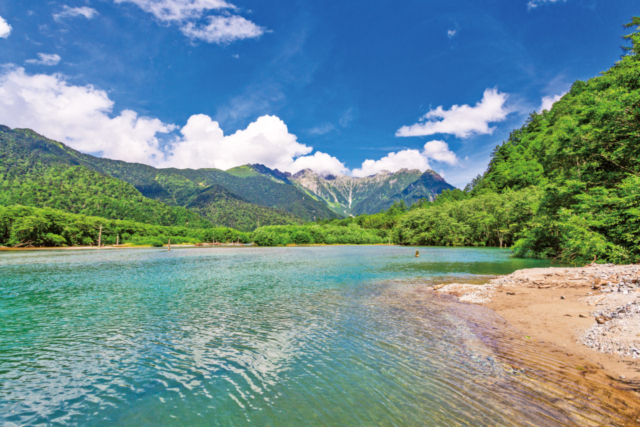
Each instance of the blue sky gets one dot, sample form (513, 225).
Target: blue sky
(341, 87)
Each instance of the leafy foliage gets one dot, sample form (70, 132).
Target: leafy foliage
(281, 235)
(585, 154)
(29, 178)
(39, 172)
(222, 207)
(566, 185)
(23, 226)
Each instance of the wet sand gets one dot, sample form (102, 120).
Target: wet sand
(577, 310)
(556, 386)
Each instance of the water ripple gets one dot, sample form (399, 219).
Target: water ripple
(281, 336)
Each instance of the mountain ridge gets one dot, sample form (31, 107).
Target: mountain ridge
(250, 194)
(27, 158)
(370, 194)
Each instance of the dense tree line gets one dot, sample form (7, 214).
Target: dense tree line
(36, 171)
(25, 226)
(585, 155)
(76, 189)
(566, 185)
(281, 235)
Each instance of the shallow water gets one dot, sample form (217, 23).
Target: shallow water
(262, 336)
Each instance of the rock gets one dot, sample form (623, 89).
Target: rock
(511, 293)
(562, 297)
(600, 320)
(597, 283)
(436, 287)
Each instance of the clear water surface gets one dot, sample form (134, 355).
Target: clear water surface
(246, 336)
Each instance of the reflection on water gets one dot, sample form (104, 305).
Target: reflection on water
(278, 336)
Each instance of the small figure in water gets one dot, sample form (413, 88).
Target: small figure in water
(417, 254)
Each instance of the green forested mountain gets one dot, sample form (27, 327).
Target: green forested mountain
(36, 171)
(223, 207)
(565, 185)
(33, 175)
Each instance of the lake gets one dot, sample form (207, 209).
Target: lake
(253, 336)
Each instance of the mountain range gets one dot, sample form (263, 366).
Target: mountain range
(36, 171)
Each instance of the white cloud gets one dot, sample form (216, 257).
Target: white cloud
(45, 59)
(222, 29)
(347, 117)
(321, 163)
(548, 101)
(410, 159)
(73, 12)
(439, 151)
(79, 116)
(451, 33)
(266, 141)
(178, 10)
(462, 121)
(535, 3)
(322, 129)
(82, 117)
(5, 28)
(188, 14)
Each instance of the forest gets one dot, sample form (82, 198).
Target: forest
(566, 185)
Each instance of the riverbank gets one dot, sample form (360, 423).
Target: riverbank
(592, 312)
(85, 248)
(197, 245)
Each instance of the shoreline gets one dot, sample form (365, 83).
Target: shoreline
(592, 312)
(198, 246)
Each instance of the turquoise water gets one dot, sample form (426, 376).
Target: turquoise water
(247, 336)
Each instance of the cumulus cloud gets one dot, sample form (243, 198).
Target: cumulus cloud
(188, 14)
(73, 12)
(79, 116)
(266, 141)
(462, 121)
(321, 163)
(535, 3)
(451, 33)
(548, 101)
(82, 117)
(439, 151)
(5, 28)
(410, 159)
(49, 59)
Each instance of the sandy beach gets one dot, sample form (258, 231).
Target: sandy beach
(592, 312)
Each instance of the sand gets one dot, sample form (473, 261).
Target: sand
(591, 312)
